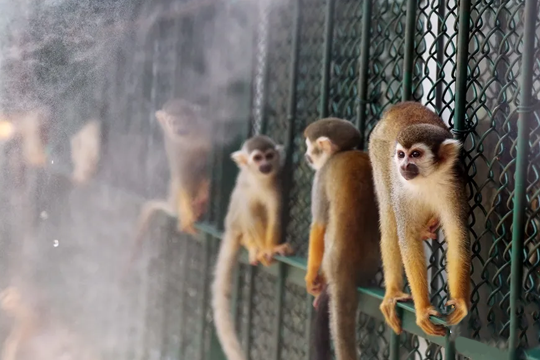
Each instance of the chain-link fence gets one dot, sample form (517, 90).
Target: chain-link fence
(267, 67)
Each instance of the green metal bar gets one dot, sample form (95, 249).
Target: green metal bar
(309, 304)
(205, 295)
(266, 72)
(327, 57)
(408, 60)
(363, 76)
(394, 338)
(520, 201)
(280, 289)
(246, 330)
(461, 68)
(449, 346)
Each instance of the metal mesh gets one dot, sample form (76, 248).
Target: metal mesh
(163, 311)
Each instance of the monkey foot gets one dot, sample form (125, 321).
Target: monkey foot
(422, 320)
(317, 298)
(266, 258)
(253, 257)
(431, 233)
(187, 228)
(460, 311)
(388, 308)
(315, 285)
(283, 250)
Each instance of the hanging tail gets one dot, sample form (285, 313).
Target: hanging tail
(320, 331)
(143, 223)
(221, 304)
(343, 305)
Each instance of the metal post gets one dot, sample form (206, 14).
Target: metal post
(520, 201)
(363, 76)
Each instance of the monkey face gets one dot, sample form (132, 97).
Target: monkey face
(261, 162)
(414, 161)
(318, 152)
(264, 162)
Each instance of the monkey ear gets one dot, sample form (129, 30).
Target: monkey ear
(326, 144)
(449, 149)
(161, 115)
(239, 157)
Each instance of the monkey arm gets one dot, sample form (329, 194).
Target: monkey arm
(315, 257)
(458, 259)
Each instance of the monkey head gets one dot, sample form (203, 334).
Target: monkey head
(423, 150)
(327, 136)
(261, 155)
(182, 121)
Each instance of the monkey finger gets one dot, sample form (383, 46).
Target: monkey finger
(460, 311)
(284, 249)
(388, 309)
(430, 328)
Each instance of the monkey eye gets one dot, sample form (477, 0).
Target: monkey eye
(400, 154)
(257, 157)
(416, 154)
(269, 156)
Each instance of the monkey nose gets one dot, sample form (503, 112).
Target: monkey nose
(265, 168)
(409, 171)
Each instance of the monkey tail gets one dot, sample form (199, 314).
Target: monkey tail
(143, 222)
(343, 305)
(320, 331)
(221, 306)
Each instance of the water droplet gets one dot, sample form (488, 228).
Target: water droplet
(44, 215)
(56, 243)
(52, 161)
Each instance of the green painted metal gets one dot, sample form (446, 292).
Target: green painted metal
(363, 70)
(461, 68)
(278, 320)
(246, 330)
(520, 203)
(327, 57)
(408, 58)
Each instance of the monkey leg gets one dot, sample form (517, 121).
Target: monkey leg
(253, 251)
(201, 199)
(314, 281)
(432, 225)
(458, 261)
(185, 210)
(393, 269)
(412, 252)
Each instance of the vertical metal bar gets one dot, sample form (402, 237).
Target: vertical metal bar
(309, 304)
(518, 223)
(327, 57)
(246, 329)
(265, 13)
(394, 339)
(449, 346)
(461, 68)
(280, 289)
(291, 114)
(207, 274)
(363, 71)
(408, 60)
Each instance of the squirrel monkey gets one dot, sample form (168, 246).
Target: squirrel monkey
(252, 220)
(188, 139)
(419, 180)
(344, 235)
(85, 151)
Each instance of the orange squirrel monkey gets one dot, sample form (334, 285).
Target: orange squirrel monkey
(85, 151)
(344, 236)
(253, 220)
(188, 142)
(418, 180)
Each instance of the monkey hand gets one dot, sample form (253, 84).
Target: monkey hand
(460, 311)
(253, 255)
(388, 308)
(266, 257)
(431, 233)
(187, 227)
(315, 283)
(422, 320)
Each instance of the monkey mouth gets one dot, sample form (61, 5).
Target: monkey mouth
(409, 175)
(265, 169)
